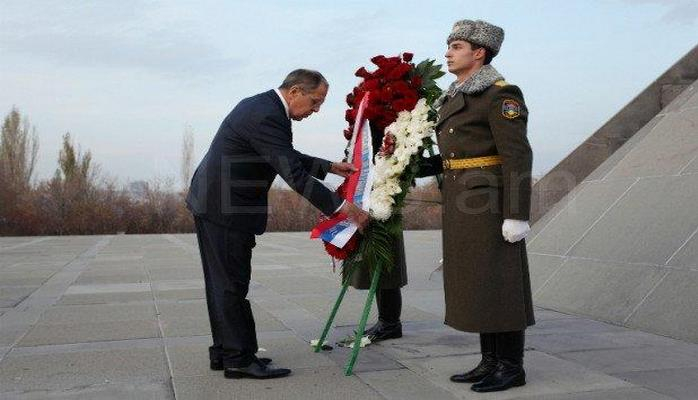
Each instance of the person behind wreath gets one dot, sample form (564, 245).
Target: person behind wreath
(389, 293)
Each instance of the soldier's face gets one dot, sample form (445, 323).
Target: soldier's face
(302, 103)
(460, 56)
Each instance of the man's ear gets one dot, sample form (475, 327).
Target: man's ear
(480, 53)
(295, 90)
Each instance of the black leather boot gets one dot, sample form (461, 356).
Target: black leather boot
(487, 365)
(389, 303)
(384, 331)
(510, 372)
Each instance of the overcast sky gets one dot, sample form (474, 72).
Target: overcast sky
(125, 77)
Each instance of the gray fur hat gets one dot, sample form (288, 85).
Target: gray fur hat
(478, 32)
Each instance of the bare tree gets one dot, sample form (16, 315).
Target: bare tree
(19, 146)
(187, 155)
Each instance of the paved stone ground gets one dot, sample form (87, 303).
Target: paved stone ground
(123, 317)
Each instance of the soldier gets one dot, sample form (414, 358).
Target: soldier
(486, 162)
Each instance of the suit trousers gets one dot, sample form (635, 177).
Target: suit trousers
(226, 256)
(389, 305)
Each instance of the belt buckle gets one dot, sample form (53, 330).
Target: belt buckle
(447, 164)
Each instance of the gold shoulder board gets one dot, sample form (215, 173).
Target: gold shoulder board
(501, 83)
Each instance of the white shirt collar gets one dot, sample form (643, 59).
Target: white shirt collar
(283, 101)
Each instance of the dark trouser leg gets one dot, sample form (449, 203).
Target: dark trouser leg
(488, 363)
(510, 372)
(389, 310)
(215, 351)
(389, 305)
(228, 254)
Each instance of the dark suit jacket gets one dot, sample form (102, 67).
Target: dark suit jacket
(252, 146)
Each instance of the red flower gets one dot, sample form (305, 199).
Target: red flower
(393, 61)
(404, 104)
(386, 63)
(362, 73)
(378, 60)
(370, 84)
(350, 115)
(343, 253)
(394, 87)
(402, 89)
(386, 95)
(371, 112)
(416, 81)
(388, 147)
(399, 71)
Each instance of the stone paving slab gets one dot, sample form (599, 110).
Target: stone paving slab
(404, 384)
(42, 334)
(546, 374)
(615, 394)
(146, 391)
(307, 384)
(678, 383)
(105, 298)
(432, 343)
(570, 326)
(630, 359)
(71, 370)
(568, 342)
(60, 314)
(179, 289)
(124, 317)
(13, 295)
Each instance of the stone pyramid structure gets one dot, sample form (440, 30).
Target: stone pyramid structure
(621, 243)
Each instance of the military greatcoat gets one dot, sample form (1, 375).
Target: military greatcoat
(486, 279)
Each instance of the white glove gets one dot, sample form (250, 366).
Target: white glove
(514, 230)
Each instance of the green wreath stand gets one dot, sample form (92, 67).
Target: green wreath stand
(349, 367)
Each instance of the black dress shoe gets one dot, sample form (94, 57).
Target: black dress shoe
(217, 365)
(384, 331)
(256, 370)
(507, 375)
(487, 365)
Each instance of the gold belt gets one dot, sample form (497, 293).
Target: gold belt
(463, 163)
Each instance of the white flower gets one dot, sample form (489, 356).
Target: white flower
(365, 341)
(314, 342)
(409, 129)
(403, 116)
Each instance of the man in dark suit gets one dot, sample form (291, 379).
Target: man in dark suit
(228, 197)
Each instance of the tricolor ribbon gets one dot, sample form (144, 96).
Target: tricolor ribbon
(338, 229)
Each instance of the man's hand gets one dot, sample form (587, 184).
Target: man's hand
(342, 169)
(357, 215)
(514, 230)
